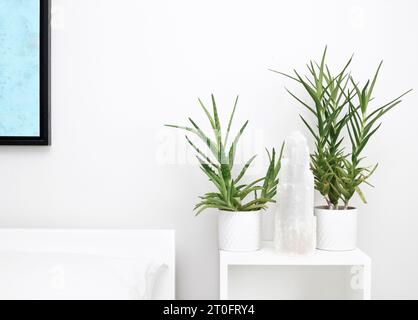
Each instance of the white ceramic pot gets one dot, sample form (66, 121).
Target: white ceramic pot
(336, 229)
(239, 231)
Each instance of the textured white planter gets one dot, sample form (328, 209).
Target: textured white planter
(239, 231)
(336, 229)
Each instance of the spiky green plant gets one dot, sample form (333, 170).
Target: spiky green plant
(340, 107)
(231, 194)
(361, 126)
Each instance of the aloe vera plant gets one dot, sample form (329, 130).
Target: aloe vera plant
(340, 108)
(231, 193)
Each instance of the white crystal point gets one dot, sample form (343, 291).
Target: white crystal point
(295, 221)
(297, 149)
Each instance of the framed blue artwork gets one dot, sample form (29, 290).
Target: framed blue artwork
(24, 72)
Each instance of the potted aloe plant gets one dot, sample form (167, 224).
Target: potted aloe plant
(344, 125)
(239, 204)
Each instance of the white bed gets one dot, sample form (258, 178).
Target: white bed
(24, 250)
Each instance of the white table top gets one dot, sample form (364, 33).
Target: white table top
(268, 256)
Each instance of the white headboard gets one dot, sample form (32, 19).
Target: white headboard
(150, 244)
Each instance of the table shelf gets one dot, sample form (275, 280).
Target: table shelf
(265, 274)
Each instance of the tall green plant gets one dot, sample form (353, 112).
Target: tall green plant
(339, 107)
(362, 125)
(231, 194)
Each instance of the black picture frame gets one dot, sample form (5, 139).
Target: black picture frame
(44, 138)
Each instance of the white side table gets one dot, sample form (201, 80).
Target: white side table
(267, 275)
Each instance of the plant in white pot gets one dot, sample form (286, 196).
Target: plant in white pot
(341, 110)
(240, 204)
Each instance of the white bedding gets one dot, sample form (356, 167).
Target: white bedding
(65, 276)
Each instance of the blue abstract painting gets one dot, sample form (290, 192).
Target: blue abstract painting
(19, 68)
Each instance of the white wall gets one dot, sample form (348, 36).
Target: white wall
(121, 69)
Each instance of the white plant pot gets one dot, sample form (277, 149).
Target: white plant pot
(336, 229)
(239, 231)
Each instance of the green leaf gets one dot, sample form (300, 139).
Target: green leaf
(301, 102)
(230, 121)
(255, 202)
(212, 122)
(256, 207)
(279, 161)
(269, 175)
(212, 207)
(244, 170)
(309, 127)
(208, 142)
(369, 94)
(234, 145)
(321, 71)
(397, 100)
(361, 195)
(250, 188)
(285, 74)
(215, 115)
(201, 153)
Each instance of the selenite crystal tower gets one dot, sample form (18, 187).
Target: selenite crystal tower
(295, 221)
